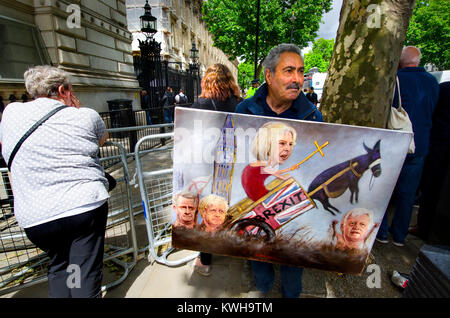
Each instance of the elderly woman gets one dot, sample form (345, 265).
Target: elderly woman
(60, 190)
(219, 90)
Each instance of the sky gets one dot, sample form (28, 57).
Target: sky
(328, 28)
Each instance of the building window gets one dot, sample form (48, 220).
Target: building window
(183, 42)
(21, 47)
(172, 35)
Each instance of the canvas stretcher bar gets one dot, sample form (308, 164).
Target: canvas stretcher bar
(157, 209)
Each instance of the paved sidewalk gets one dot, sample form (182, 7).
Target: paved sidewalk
(232, 278)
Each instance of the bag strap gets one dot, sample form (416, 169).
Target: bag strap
(399, 95)
(30, 131)
(214, 104)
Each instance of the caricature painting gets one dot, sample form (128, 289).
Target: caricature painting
(284, 191)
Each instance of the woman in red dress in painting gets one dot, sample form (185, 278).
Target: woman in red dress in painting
(272, 146)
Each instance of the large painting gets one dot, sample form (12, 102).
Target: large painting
(284, 191)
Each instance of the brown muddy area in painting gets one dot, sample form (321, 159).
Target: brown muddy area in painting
(296, 252)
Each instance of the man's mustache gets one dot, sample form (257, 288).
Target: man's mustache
(294, 86)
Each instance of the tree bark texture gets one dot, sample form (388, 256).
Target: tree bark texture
(360, 82)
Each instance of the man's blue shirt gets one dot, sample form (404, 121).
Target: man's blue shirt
(301, 108)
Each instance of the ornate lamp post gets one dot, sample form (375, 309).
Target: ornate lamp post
(148, 22)
(149, 71)
(150, 49)
(195, 66)
(292, 18)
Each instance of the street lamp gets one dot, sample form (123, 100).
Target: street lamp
(148, 64)
(195, 66)
(194, 54)
(292, 18)
(148, 22)
(150, 49)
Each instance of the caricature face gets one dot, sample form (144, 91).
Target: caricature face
(215, 215)
(185, 209)
(284, 148)
(356, 227)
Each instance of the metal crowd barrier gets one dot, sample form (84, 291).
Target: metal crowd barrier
(22, 264)
(156, 190)
(127, 137)
(120, 236)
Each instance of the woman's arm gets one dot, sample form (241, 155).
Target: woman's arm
(275, 173)
(103, 139)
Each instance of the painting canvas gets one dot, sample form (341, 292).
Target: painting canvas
(283, 191)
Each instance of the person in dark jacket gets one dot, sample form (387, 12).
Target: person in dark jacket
(145, 105)
(167, 102)
(219, 90)
(281, 97)
(311, 96)
(221, 93)
(419, 93)
(433, 218)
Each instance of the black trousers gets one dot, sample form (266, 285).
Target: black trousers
(205, 258)
(75, 246)
(433, 218)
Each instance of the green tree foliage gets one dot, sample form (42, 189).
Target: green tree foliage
(232, 24)
(429, 29)
(320, 55)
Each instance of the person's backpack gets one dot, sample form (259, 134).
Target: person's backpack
(171, 98)
(183, 99)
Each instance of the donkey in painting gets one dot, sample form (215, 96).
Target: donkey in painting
(334, 181)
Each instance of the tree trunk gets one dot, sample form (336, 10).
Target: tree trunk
(360, 82)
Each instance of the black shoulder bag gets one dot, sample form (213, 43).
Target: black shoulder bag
(112, 182)
(30, 131)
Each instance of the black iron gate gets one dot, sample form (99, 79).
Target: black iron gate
(155, 75)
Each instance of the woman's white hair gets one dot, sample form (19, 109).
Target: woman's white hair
(358, 212)
(266, 139)
(44, 80)
(211, 199)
